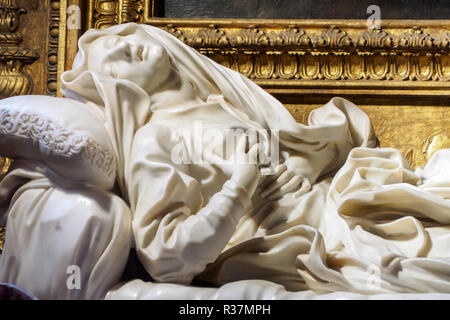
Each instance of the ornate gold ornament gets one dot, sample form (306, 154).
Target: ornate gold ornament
(308, 52)
(302, 50)
(53, 44)
(2, 239)
(5, 163)
(13, 81)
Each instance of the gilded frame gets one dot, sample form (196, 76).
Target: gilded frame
(286, 55)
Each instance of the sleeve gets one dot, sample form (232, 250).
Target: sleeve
(323, 146)
(176, 233)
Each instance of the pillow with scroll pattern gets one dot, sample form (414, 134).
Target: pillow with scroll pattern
(64, 134)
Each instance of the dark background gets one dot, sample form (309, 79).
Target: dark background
(304, 9)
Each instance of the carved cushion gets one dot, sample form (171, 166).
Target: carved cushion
(63, 134)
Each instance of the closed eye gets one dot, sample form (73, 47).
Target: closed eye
(112, 42)
(127, 53)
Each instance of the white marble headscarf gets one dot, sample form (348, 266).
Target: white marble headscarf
(245, 99)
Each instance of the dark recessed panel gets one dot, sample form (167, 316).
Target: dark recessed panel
(304, 9)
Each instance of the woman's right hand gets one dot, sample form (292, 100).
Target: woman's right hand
(242, 167)
(247, 177)
(282, 181)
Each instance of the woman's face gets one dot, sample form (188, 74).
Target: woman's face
(131, 57)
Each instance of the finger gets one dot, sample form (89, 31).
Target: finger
(284, 178)
(253, 154)
(267, 171)
(271, 177)
(262, 179)
(271, 169)
(263, 156)
(242, 143)
(240, 154)
(279, 170)
(306, 186)
(290, 186)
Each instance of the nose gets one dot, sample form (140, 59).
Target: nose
(132, 50)
(123, 48)
(139, 52)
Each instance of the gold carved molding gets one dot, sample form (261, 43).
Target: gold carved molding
(2, 239)
(283, 56)
(305, 52)
(5, 163)
(55, 44)
(13, 80)
(32, 46)
(106, 13)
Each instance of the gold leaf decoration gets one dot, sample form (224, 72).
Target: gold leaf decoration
(13, 80)
(2, 239)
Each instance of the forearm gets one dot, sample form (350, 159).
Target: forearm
(177, 254)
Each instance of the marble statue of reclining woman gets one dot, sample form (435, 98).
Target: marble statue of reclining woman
(335, 214)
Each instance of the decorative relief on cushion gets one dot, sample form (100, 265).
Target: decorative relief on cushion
(57, 139)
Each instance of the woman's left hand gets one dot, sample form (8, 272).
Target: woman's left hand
(282, 181)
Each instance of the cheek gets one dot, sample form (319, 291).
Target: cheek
(138, 73)
(148, 74)
(149, 71)
(161, 69)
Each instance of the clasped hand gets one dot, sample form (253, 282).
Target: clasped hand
(282, 180)
(250, 175)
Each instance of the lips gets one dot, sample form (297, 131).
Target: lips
(140, 53)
